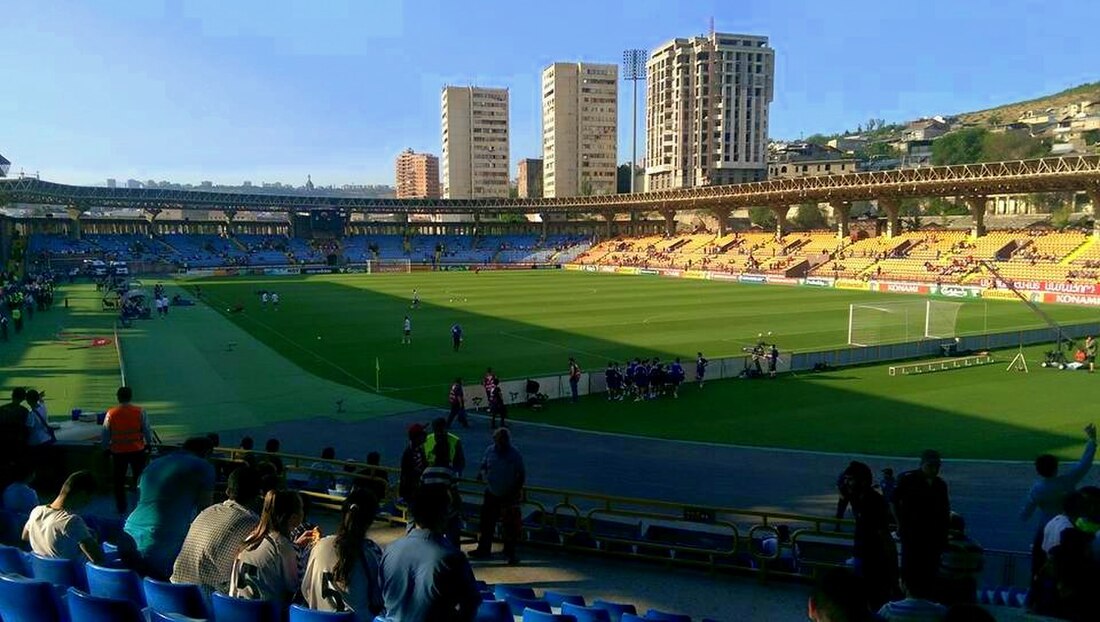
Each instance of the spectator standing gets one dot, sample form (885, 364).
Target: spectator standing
(442, 474)
(373, 477)
(923, 510)
(441, 434)
(57, 530)
(497, 407)
(1090, 353)
(13, 432)
(272, 447)
(504, 474)
(127, 437)
(267, 566)
(413, 462)
(425, 577)
(343, 573)
(876, 556)
(1049, 492)
(213, 540)
(171, 491)
(574, 378)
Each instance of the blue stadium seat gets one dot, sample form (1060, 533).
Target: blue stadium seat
(482, 586)
(27, 600)
(183, 598)
(488, 596)
(301, 614)
(586, 614)
(631, 617)
(62, 573)
(493, 611)
(518, 605)
(556, 599)
(117, 583)
(86, 608)
(229, 609)
(520, 591)
(12, 561)
(531, 615)
(662, 616)
(615, 609)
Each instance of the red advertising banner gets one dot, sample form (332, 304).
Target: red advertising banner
(1072, 299)
(903, 288)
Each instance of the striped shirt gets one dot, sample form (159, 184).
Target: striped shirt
(212, 543)
(962, 559)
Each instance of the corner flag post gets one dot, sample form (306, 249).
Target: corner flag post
(377, 375)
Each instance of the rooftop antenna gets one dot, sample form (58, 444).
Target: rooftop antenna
(712, 26)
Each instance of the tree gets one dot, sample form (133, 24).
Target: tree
(995, 119)
(877, 150)
(1012, 146)
(1091, 137)
(809, 216)
(1051, 202)
(961, 147)
(938, 206)
(819, 139)
(1059, 218)
(762, 216)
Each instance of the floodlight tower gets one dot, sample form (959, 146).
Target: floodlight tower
(634, 70)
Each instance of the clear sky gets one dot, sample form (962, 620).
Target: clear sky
(270, 90)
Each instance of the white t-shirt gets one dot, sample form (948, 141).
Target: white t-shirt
(38, 431)
(1052, 533)
(264, 297)
(363, 592)
(275, 298)
(56, 533)
(408, 325)
(267, 572)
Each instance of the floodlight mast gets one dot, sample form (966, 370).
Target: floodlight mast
(634, 70)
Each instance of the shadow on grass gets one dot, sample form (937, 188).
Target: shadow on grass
(338, 331)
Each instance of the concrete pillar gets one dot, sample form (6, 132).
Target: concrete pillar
(1094, 199)
(609, 218)
(892, 207)
(670, 221)
(977, 212)
(780, 219)
(842, 211)
(722, 215)
(74, 212)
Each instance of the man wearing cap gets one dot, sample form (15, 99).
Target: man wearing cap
(923, 510)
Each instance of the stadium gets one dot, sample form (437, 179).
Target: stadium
(888, 341)
(439, 313)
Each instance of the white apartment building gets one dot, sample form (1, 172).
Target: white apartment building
(707, 111)
(475, 142)
(579, 129)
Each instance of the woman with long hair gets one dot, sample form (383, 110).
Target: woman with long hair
(267, 567)
(343, 570)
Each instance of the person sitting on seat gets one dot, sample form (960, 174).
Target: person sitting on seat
(56, 530)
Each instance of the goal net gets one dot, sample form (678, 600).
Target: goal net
(896, 322)
(388, 265)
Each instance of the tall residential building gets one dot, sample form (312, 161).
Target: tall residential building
(417, 175)
(475, 142)
(707, 111)
(579, 129)
(530, 178)
(112, 182)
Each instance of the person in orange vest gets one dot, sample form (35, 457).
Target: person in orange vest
(126, 437)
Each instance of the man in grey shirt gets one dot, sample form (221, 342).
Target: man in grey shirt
(504, 474)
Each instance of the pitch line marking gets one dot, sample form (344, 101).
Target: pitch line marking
(552, 344)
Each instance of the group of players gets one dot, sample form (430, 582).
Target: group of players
(648, 379)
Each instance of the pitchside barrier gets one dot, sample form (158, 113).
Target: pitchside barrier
(709, 536)
(593, 382)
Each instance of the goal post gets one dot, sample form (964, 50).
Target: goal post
(941, 319)
(896, 322)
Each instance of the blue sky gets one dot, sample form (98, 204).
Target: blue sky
(228, 90)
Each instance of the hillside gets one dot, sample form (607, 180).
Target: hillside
(1010, 112)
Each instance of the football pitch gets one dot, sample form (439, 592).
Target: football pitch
(347, 329)
(205, 369)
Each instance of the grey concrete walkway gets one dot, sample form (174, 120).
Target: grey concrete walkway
(988, 494)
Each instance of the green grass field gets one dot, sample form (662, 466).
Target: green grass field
(204, 369)
(524, 324)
